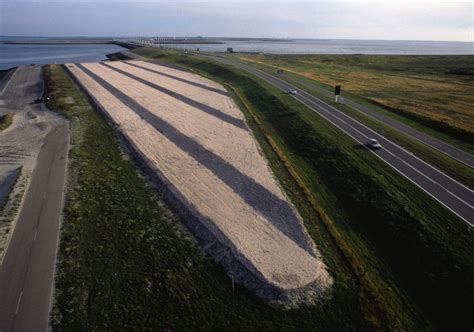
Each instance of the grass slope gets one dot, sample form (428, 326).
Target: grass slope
(123, 264)
(412, 248)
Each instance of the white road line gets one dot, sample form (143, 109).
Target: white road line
(395, 156)
(394, 144)
(18, 303)
(416, 184)
(430, 179)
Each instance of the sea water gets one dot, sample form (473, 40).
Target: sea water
(24, 55)
(336, 46)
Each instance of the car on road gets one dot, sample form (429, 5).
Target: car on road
(292, 92)
(373, 144)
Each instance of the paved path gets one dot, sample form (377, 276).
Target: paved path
(27, 270)
(456, 197)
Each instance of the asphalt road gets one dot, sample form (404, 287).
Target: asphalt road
(443, 147)
(456, 197)
(27, 270)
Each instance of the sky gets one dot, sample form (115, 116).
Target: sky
(325, 19)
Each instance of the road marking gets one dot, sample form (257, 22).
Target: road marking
(18, 304)
(399, 171)
(36, 233)
(391, 142)
(390, 152)
(430, 179)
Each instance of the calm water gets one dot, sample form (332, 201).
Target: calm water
(23, 55)
(306, 46)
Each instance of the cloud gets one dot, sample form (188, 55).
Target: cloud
(402, 19)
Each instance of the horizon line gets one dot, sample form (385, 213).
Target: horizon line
(240, 37)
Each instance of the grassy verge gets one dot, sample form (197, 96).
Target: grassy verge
(414, 252)
(124, 265)
(429, 93)
(6, 120)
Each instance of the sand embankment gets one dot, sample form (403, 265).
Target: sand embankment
(194, 139)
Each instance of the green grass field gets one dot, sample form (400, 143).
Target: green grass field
(433, 92)
(124, 263)
(415, 253)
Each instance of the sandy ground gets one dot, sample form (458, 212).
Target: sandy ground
(20, 143)
(179, 73)
(193, 135)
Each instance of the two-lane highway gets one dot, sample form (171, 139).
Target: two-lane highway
(455, 196)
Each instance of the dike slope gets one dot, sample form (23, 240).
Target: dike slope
(193, 139)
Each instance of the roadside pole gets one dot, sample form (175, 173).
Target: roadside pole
(337, 92)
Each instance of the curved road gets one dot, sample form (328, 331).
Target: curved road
(456, 197)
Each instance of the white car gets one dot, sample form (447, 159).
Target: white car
(292, 92)
(373, 144)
